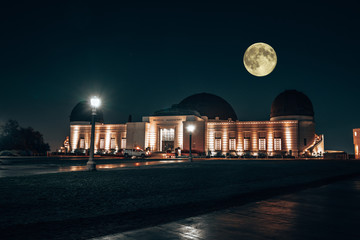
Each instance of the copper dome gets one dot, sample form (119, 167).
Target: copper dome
(82, 113)
(209, 105)
(291, 103)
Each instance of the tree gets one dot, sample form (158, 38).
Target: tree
(14, 137)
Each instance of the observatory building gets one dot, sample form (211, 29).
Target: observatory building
(356, 137)
(218, 131)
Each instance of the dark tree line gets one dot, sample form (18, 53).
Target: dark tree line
(14, 137)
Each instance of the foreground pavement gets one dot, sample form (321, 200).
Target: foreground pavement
(327, 212)
(23, 167)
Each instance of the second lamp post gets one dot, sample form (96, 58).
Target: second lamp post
(95, 103)
(190, 129)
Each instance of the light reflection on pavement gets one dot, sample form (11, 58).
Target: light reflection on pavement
(12, 170)
(117, 165)
(327, 212)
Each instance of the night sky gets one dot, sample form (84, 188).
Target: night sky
(145, 56)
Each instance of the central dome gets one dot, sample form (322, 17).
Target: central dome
(209, 105)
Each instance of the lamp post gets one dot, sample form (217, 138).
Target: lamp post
(190, 129)
(95, 103)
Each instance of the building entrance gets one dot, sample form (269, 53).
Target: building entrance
(167, 138)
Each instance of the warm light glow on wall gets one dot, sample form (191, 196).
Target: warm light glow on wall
(211, 139)
(107, 139)
(74, 135)
(180, 135)
(97, 139)
(105, 131)
(254, 141)
(225, 140)
(152, 137)
(252, 122)
(147, 138)
(356, 141)
(253, 130)
(288, 141)
(240, 147)
(270, 140)
(87, 139)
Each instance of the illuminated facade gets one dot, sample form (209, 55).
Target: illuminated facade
(356, 137)
(290, 130)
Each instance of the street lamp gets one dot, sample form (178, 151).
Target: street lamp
(190, 129)
(95, 102)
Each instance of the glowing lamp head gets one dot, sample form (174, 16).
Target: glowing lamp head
(95, 102)
(190, 128)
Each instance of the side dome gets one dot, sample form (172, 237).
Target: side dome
(82, 113)
(291, 103)
(209, 105)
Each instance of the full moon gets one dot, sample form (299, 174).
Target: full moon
(260, 59)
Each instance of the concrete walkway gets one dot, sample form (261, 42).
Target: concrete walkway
(9, 169)
(327, 212)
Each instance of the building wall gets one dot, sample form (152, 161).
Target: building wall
(306, 134)
(306, 130)
(157, 123)
(109, 135)
(356, 137)
(247, 136)
(136, 135)
(214, 136)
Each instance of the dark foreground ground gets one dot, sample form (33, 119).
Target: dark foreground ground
(81, 205)
(330, 212)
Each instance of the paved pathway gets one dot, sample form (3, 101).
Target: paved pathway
(12, 170)
(328, 212)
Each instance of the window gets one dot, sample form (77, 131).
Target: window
(246, 144)
(277, 141)
(262, 141)
(262, 144)
(217, 141)
(305, 142)
(123, 143)
(232, 144)
(232, 141)
(167, 134)
(102, 143)
(277, 144)
(82, 143)
(112, 143)
(217, 144)
(246, 141)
